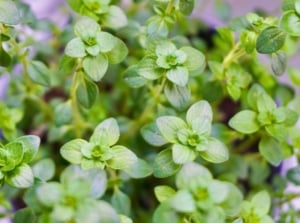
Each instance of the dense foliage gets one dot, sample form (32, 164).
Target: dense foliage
(136, 114)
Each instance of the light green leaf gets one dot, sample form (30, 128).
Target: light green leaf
(164, 165)
(111, 127)
(125, 219)
(86, 28)
(133, 78)
(245, 122)
(9, 13)
(195, 59)
(163, 193)
(216, 151)
(115, 17)
(15, 153)
(86, 92)
(62, 213)
(261, 202)
(182, 154)
(20, 177)
(106, 41)
(50, 194)
(270, 40)
(232, 204)
(270, 149)
(290, 23)
(75, 48)
(118, 53)
(121, 202)
(39, 73)
(297, 6)
(178, 76)
(95, 67)
(201, 111)
(152, 135)
(177, 96)
(278, 131)
(278, 63)
(294, 75)
(218, 191)
(71, 151)
(44, 169)
(30, 145)
(139, 169)
(106, 213)
(165, 214)
(189, 172)
(183, 201)
(147, 68)
(169, 126)
(216, 69)
(122, 158)
(63, 114)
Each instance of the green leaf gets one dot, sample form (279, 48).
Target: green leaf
(178, 76)
(139, 169)
(30, 145)
(121, 202)
(195, 59)
(63, 114)
(5, 59)
(75, 4)
(201, 111)
(50, 194)
(164, 165)
(232, 205)
(163, 193)
(169, 126)
(86, 28)
(115, 18)
(20, 177)
(165, 214)
(278, 131)
(118, 53)
(294, 75)
(106, 213)
(15, 153)
(293, 175)
(39, 73)
(278, 63)
(25, 215)
(152, 135)
(71, 151)
(133, 78)
(62, 213)
(297, 6)
(270, 40)
(182, 154)
(261, 202)
(75, 48)
(245, 122)
(147, 68)
(125, 219)
(106, 41)
(44, 169)
(216, 69)
(111, 127)
(122, 158)
(270, 149)
(216, 151)
(177, 96)
(290, 23)
(95, 67)
(86, 92)
(9, 13)
(183, 201)
(186, 6)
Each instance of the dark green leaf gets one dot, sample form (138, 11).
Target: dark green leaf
(86, 92)
(270, 40)
(186, 6)
(39, 73)
(5, 59)
(25, 215)
(278, 63)
(164, 165)
(293, 175)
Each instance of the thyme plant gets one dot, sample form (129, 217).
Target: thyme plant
(129, 113)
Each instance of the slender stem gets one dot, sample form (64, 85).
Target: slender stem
(236, 52)
(169, 7)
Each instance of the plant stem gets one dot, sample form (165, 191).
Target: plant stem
(236, 52)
